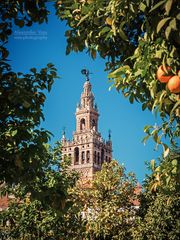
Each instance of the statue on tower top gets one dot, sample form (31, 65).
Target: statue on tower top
(86, 73)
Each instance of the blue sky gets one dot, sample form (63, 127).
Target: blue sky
(125, 120)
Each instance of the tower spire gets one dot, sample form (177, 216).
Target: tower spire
(109, 135)
(63, 134)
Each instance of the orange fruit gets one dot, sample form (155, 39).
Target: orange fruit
(109, 21)
(162, 75)
(174, 84)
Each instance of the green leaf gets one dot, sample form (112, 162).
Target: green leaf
(131, 98)
(18, 162)
(19, 23)
(155, 136)
(26, 104)
(158, 169)
(93, 53)
(165, 149)
(144, 106)
(82, 19)
(161, 23)
(163, 94)
(166, 152)
(122, 35)
(174, 162)
(159, 54)
(146, 128)
(157, 5)
(119, 71)
(144, 140)
(142, 7)
(174, 171)
(4, 52)
(168, 179)
(172, 24)
(167, 32)
(147, 3)
(178, 16)
(138, 72)
(53, 73)
(67, 13)
(13, 133)
(153, 88)
(50, 65)
(33, 70)
(152, 163)
(104, 30)
(168, 6)
(174, 108)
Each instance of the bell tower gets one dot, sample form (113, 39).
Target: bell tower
(86, 112)
(87, 150)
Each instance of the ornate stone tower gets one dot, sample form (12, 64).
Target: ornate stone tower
(87, 150)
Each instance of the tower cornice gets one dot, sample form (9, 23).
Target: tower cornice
(84, 110)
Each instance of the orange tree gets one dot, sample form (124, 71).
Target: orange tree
(135, 38)
(158, 216)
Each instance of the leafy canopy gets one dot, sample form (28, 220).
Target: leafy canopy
(38, 212)
(135, 37)
(105, 209)
(23, 149)
(159, 209)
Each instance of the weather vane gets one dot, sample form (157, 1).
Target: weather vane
(86, 73)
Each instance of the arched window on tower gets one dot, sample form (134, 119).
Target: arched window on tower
(76, 156)
(82, 157)
(95, 157)
(87, 156)
(82, 124)
(102, 156)
(94, 125)
(69, 156)
(98, 160)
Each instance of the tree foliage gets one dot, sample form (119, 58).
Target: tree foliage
(23, 151)
(30, 170)
(135, 37)
(159, 209)
(161, 220)
(105, 209)
(28, 165)
(22, 142)
(36, 210)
